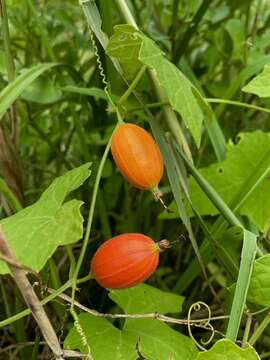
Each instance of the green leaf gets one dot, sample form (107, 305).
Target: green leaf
(226, 350)
(243, 76)
(124, 45)
(12, 91)
(132, 48)
(35, 232)
(104, 339)
(259, 289)
(42, 91)
(260, 85)
(145, 298)
(157, 341)
(249, 157)
(178, 88)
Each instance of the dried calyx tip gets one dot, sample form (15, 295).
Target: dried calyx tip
(164, 244)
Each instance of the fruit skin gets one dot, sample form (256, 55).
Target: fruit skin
(137, 156)
(125, 261)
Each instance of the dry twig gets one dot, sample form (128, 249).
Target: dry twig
(31, 298)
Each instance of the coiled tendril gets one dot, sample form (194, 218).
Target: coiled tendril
(205, 324)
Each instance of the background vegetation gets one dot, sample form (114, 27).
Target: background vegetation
(211, 66)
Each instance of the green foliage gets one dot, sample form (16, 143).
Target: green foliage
(205, 57)
(178, 88)
(156, 340)
(145, 298)
(42, 91)
(118, 345)
(124, 45)
(244, 159)
(259, 288)
(133, 44)
(35, 232)
(12, 91)
(260, 85)
(226, 350)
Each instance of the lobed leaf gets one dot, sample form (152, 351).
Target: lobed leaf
(35, 232)
(155, 340)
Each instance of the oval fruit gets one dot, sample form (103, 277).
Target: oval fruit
(125, 261)
(137, 156)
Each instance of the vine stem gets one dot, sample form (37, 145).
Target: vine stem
(209, 100)
(7, 45)
(260, 329)
(126, 13)
(89, 221)
(237, 103)
(184, 41)
(156, 315)
(10, 197)
(247, 330)
(10, 65)
(132, 86)
(52, 296)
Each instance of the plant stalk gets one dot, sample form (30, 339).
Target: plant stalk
(32, 300)
(260, 329)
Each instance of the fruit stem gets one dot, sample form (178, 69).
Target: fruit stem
(158, 197)
(131, 87)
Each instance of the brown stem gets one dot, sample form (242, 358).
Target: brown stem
(31, 298)
(156, 315)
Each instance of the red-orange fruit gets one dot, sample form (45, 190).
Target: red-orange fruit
(125, 261)
(137, 156)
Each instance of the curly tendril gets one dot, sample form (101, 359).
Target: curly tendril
(205, 324)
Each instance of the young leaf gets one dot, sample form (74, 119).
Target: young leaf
(35, 232)
(260, 85)
(124, 45)
(145, 298)
(226, 350)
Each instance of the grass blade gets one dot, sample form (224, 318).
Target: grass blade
(242, 285)
(12, 91)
